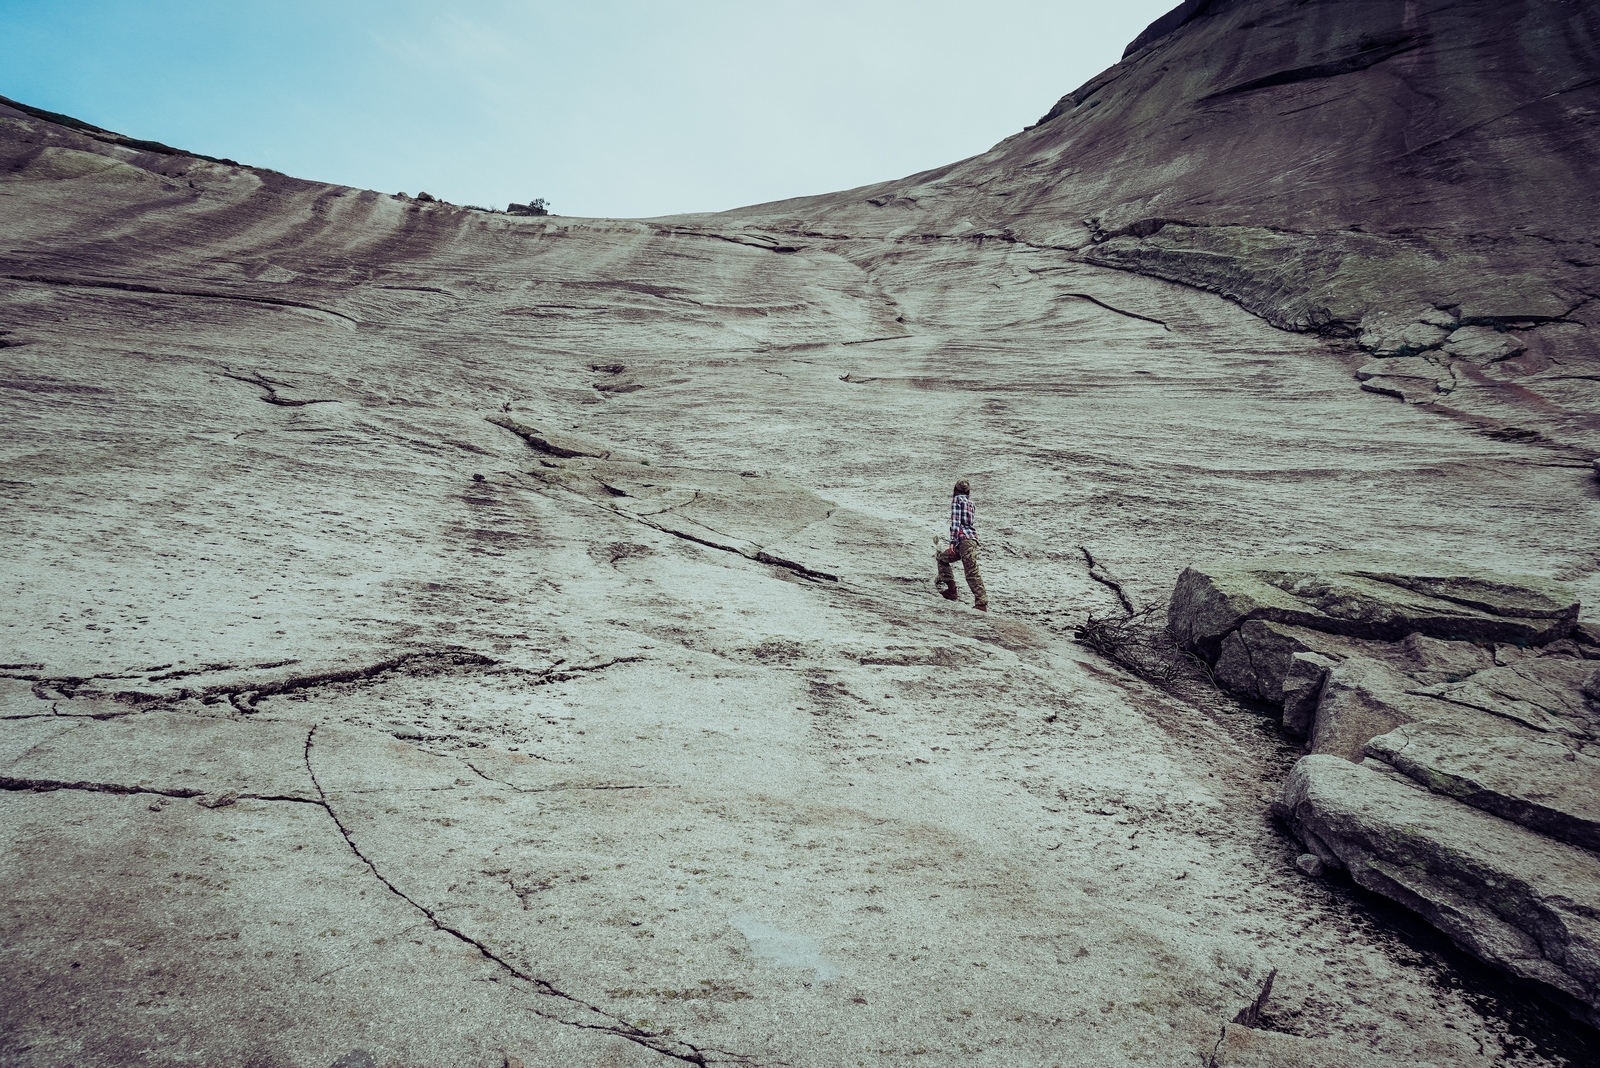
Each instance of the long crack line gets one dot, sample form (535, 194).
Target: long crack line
(620, 1028)
(45, 786)
(42, 786)
(759, 554)
(243, 696)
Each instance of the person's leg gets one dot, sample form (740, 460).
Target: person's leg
(969, 564)
(947, 578)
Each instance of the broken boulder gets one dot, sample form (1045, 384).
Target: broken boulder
(1484, 345)
(1542, 781)
(1406, 377)
(1367, 595)
(1508, 895)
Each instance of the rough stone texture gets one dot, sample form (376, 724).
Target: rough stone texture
(1490, 729)
(1360, 699)
(1511, 896)
(1544, 693)
(1258, 659)
(1368, 595)
(1302, 691)
(1310, 864)
(1542, 781)
(651, 743)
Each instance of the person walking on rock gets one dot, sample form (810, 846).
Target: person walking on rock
(964, 541)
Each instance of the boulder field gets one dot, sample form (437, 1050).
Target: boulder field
(435, 636)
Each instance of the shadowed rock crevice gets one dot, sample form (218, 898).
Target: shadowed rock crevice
(1106, 579)
(1369, 52)
(206, 798)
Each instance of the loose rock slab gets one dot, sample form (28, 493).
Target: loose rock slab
(1541, 781)
(1509, 895)
(1477, 811)
(1368, 595)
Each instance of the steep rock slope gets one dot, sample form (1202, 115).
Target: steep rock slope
(482, 640)
(1416, 177)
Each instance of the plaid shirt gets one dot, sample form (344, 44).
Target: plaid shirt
(962, 519)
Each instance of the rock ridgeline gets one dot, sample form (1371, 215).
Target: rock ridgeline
(1450, 716)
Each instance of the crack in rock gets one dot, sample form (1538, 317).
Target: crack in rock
(1097, 301)
(45, 786)
(272, 397)
(677, 1049)
(561, 786)
(1104, 577)
(756, 553)
(557, 673)
(243, 696)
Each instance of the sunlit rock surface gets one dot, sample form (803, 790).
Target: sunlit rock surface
(476, 639)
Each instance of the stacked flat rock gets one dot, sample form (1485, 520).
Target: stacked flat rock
(1369, 595)
(1450, 715)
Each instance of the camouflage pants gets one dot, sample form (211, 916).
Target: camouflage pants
(968, 551)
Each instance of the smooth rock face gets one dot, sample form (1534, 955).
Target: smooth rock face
(1391, 173)
(1513, 897)
(548, 598)
(1368, 595)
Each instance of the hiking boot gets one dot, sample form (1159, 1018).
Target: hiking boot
(981, 607)
(947, 592)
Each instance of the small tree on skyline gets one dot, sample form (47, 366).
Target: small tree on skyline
(536, 206)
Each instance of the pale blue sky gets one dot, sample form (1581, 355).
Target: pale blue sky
(611, 107)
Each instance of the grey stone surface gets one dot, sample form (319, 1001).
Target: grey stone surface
(1367, 595)
(356, 1058)
(1433, 660)
(1302, 691)
(1483, 344)
(1544, 693)
(1360, 699)
(1540, 780)
(1495, 734)
(1392, 175)
(1507, 894)
(1258, 659)
(1310, 864)
(637, 736)
(1410, 378)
